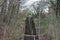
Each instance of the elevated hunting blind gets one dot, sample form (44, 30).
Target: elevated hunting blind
(30, 30)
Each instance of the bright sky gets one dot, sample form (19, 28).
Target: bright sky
(28, 3)
(46, 10)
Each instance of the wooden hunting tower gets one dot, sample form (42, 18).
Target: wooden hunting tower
(30, 30)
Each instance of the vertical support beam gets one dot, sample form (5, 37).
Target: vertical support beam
(38, 23)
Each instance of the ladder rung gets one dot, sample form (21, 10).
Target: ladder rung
(32, 35)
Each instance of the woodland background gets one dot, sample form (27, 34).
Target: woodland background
(12, 21)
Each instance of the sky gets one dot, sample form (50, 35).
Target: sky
(28, 3)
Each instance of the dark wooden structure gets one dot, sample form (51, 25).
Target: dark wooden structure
(30, 30)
